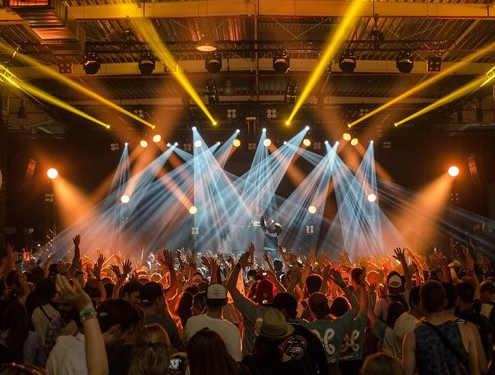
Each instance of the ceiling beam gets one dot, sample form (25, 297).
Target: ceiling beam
(301, 66)
(279, 8)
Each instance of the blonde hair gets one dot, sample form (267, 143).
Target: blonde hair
(383, 364)
(151, 355)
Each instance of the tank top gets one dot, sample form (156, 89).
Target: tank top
(432, 356)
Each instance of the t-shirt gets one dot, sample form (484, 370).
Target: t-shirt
(227, 331)
(305, 347)
(68, 356)
(404, 324)
(250, 312)
(352, 347)
(331, 333)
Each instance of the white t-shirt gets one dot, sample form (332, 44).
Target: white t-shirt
(404, 324)
(68, 356)
(227, 331)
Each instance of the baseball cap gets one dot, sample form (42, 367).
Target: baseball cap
(216, 292)
(265, 291)
(149, 293)
(395, 284)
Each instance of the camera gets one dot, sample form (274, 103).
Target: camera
(177, 366)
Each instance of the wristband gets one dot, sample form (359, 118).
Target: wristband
(87, 313)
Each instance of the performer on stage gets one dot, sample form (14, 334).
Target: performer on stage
(272, 230)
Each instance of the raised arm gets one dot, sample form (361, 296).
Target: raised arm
(234, 274)
(96, 357)
(401, 257)
(336, 277)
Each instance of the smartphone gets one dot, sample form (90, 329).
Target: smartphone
(177, 365)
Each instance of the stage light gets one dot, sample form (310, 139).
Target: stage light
(326, 142)
(157, 138)
(143, 143)
(218, 143)
(281, 62)
(347, 62)
(236, 142)
(238, 131)
(404, 62)
(354, 142)
(214, 123)
(52, 173)
(371, 141)
(176, 144)
(91, 63)
(453, 171)
(193, 128)
(231, 113)
(371, 198)
(306, 127)
(434, 63)
(346, 137)
(206, 45)
(312, 209)
(213, 63)
(126, 144)
(146, 63)
(287, 122)
(267, 142)
(124, 199)
(337, 143)
(263, 130)
(271, 113)
(193, 210)
(198, 143)
(306, 142)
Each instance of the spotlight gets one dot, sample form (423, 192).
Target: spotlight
(346, 137)
(124, 199)
(218, 143)
(326, 142)
(271, 113)
(354, 142)
(371, 141)
(404, 62)
(238, 131)
(143, 143)
(263, 130)
(347, 61)
(213, 63)
(193, 210)
(434, 63)
(312, 209)
(157, 138)
(146, 63)
(193, 128)
(52, 173)
(231, 113)
(267, 142)
(206, 45)
(453, 171)
(236, 142)
(114, 146)
(287, 122)
(91, 63)
(176, 144)
(126, 144)
(214, 123)
(198, 143)
(371, 198)
(281, 62)
(306, 142)
(306, 127)
(65, 66)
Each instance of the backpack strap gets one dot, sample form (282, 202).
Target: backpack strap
(445, 341)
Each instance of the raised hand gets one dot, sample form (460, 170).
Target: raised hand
(244, 259)
(76, 297)
(98, 266)
(336, 277)
(400, 255)
(116, 270)
(126, 267)
(77, 240)
(168, 259)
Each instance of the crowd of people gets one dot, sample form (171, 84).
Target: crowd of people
(253, 314)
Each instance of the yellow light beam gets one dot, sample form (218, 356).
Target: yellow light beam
(334, 44)
(434, 78)
(147, 30)
(69, 82)
(467, 88)
(11, 79)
